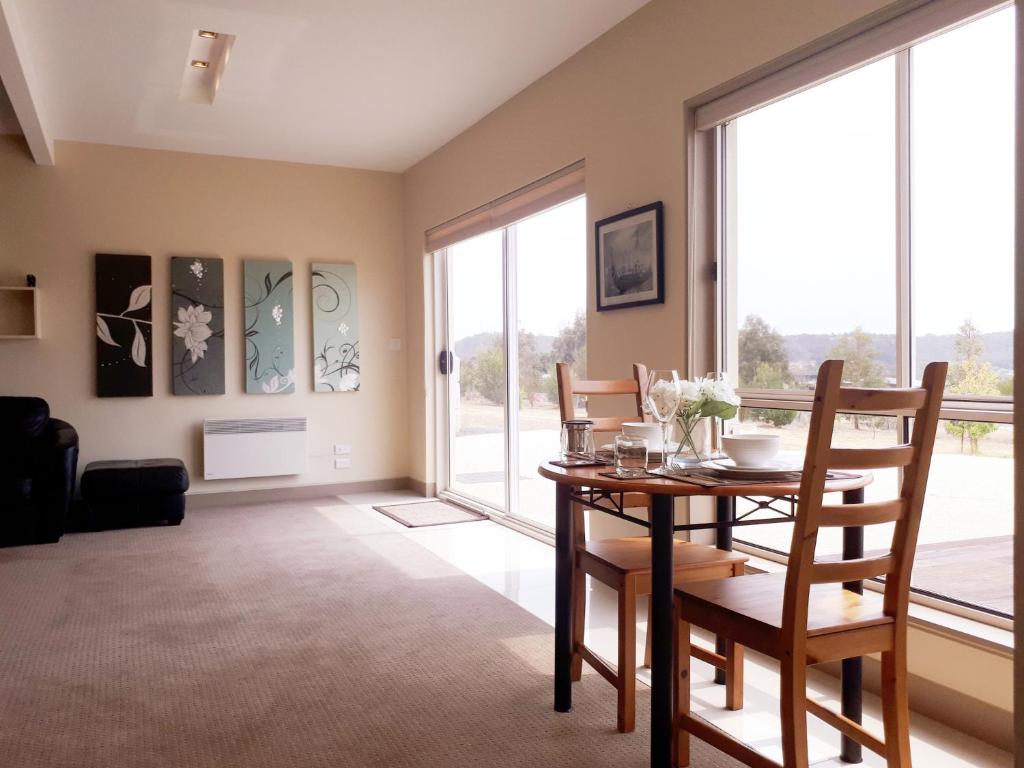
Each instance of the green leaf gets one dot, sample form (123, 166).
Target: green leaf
(718, 408)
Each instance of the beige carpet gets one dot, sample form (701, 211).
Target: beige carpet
(281, 635)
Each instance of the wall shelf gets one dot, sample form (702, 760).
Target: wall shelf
(19, 312)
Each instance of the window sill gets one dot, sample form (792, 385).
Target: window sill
(993, 639)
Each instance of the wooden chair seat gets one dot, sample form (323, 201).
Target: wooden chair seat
(632, 555)
(749, 609)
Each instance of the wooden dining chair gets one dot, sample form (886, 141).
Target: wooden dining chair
(624, 564)
(805, 616)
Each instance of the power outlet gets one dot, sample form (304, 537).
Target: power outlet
(342, 449)
(342, 463)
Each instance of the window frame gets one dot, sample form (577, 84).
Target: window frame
(711, 184)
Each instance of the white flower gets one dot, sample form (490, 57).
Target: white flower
(343, 329)
(689, 391)
(198, 269)
(278, 313)
(349, 382)
(663, 397)
(192, 326)
(720, 391)
(279, 383)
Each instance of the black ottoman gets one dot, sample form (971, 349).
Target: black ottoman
(127, 493)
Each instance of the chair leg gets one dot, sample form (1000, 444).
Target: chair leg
(733, 675)
(895, 706)
(647, 638)
(579, 621)
(681, 690)
(793, 708)
(627, 657)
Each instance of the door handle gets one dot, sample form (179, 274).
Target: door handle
(445, 362)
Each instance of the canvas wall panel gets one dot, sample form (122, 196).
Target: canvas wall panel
(124, 326)
(197, 319)
(269, 327)
(335, 327)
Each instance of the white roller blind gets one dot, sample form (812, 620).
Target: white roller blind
(876, 43)
(553, 189)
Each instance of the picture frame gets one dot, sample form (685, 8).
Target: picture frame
(630, 258)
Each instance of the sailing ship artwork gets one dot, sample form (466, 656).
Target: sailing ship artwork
(630, 258)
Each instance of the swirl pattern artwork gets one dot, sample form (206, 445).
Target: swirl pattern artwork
(269, 328)
(335, 328)
(124, 326)
(197, 326)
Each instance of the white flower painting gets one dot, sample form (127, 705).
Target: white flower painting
(193, 325)
(197, 317)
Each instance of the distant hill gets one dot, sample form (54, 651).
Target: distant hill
(471, 346)
(807, 350)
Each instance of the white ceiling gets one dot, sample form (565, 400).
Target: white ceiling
(375, 84)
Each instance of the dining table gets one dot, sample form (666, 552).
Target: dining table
(596, 487)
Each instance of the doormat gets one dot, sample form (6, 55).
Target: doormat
(418, 514)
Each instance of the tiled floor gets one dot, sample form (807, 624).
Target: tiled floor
(521, 569)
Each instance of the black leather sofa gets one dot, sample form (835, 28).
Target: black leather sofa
(38, 464)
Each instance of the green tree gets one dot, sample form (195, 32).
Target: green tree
(531, 367)
(771, 376)
(759, 344)
(860, 368)
(969, 375)
(488, 374)
(569, 346)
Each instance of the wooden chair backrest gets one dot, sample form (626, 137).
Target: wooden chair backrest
(914, 458)
(569, 387)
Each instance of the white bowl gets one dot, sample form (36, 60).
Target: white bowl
(644, 429)
(751, 450)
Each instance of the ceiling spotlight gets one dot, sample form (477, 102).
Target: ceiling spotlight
(200, 64)
(208, 34)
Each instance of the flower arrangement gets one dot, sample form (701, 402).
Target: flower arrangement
(703, 398)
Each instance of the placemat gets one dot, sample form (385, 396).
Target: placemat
(707, 479)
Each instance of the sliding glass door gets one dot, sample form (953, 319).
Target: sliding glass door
(477, 382)
(515, 305)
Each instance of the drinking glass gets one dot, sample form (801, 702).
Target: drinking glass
(662, 397)
(578, 439)
(630, 456)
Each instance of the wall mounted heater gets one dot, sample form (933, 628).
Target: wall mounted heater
(254, 447)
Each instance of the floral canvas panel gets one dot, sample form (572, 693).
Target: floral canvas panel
(197, 323)
(269, 328)
(124, 326)
(335, 328)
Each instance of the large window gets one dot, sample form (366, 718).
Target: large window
(870, 218)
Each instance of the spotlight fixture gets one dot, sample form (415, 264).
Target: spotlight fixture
(200, 64)
(207, 34)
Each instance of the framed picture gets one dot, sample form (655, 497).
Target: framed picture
(630, 258)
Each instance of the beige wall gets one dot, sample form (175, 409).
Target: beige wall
(618, 104)
(111, 199)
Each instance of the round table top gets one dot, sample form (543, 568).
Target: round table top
(591, 477)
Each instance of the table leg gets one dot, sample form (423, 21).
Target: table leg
(662, 533)
(852, 697)
(725, 513)
(563, 597)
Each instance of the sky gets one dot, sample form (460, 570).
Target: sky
(816, 194)
(551, 253)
